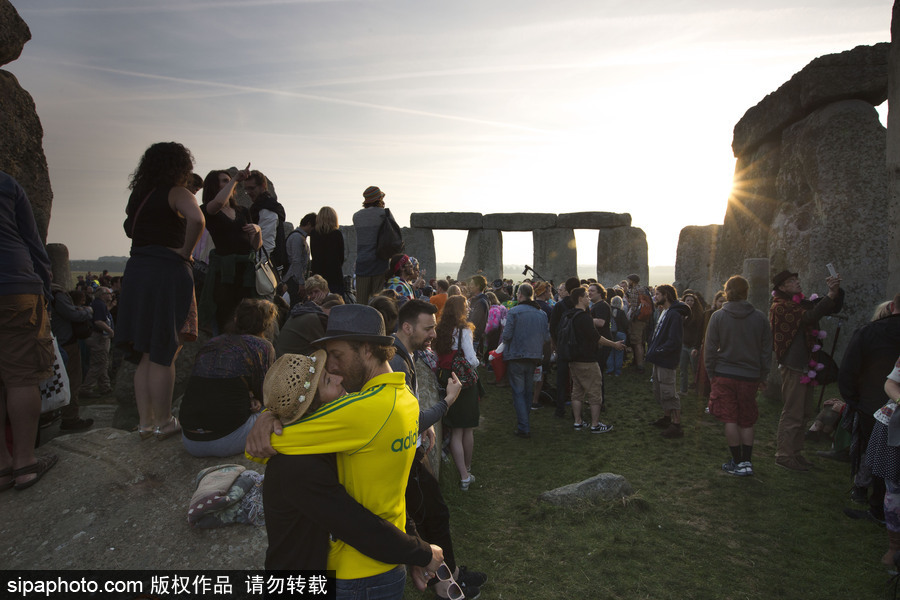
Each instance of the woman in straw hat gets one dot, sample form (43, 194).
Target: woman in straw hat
(372, 433)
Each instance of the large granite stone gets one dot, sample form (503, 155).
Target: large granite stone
(605, 487)
(833, 188)
(893, 152)
(620, 252)
(59, 265)
(593, 220)
(555, 254)
(694, 260)
(114, 502)
(519, 221)
(483, 255)
(349, 233)
(446, 220)
(428, 396)
(419, 242)
(860, 73)
(14, 33)
(21, 152)
(759, 275)
(749, 213)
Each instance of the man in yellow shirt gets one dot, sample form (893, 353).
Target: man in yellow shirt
(372, 432)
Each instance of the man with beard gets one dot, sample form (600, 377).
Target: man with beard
(424, 501)
(663, 353)
(371, 431)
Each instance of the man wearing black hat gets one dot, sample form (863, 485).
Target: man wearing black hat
(372, 432)
(797, 339)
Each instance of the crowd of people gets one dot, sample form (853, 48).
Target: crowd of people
(319, 378)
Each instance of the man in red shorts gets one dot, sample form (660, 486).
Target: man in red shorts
(28, 353)
(738, 355)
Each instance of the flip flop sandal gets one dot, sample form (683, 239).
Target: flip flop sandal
(8, 472)
(40, 468)
(163, 435)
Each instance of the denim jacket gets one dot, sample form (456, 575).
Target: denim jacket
(525, 333)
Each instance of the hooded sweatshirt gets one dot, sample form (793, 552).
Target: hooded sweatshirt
(738, 343)
(665, 345)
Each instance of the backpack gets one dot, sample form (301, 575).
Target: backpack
(389, 241)
(566, 338)
(646, 310)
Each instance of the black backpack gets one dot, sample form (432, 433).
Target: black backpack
(390, 242)
(566, 338)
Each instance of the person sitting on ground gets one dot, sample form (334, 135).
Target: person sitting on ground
(308, 319)
(223, 396)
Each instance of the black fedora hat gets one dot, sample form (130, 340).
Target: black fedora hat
(781, 278)
(356, 322)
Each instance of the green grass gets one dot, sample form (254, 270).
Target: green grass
(690, 531)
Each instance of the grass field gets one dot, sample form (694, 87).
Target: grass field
(690, 531)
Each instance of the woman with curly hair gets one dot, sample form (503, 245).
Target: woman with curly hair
(455, 334)
(326, 246)
(157, 308)
(232, 274)
(224, 394)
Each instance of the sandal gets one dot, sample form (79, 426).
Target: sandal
(7, 472)
(163, 435)
(145, 434)
(40, 468)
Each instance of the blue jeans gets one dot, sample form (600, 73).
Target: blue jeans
(229, 445)
(384, 586)
(521, 382)
(616, 357)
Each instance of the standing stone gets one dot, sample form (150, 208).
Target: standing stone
(555, 256)
(695, 258)
(428, 397)
(620, 252)
(751, 208)
(756, 272)
(59, 265)
(893, 153)
(349, 233)
(14, 33)
(484, 255)
(21, 152)
(834, 188)
(419, 243)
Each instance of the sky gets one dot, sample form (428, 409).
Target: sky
(474, 106)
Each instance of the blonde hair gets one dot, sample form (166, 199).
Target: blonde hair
(315, 282)
(326, 220)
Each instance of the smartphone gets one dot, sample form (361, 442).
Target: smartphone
(831, 270)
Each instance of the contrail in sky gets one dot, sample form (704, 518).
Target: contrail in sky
(312, 97)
